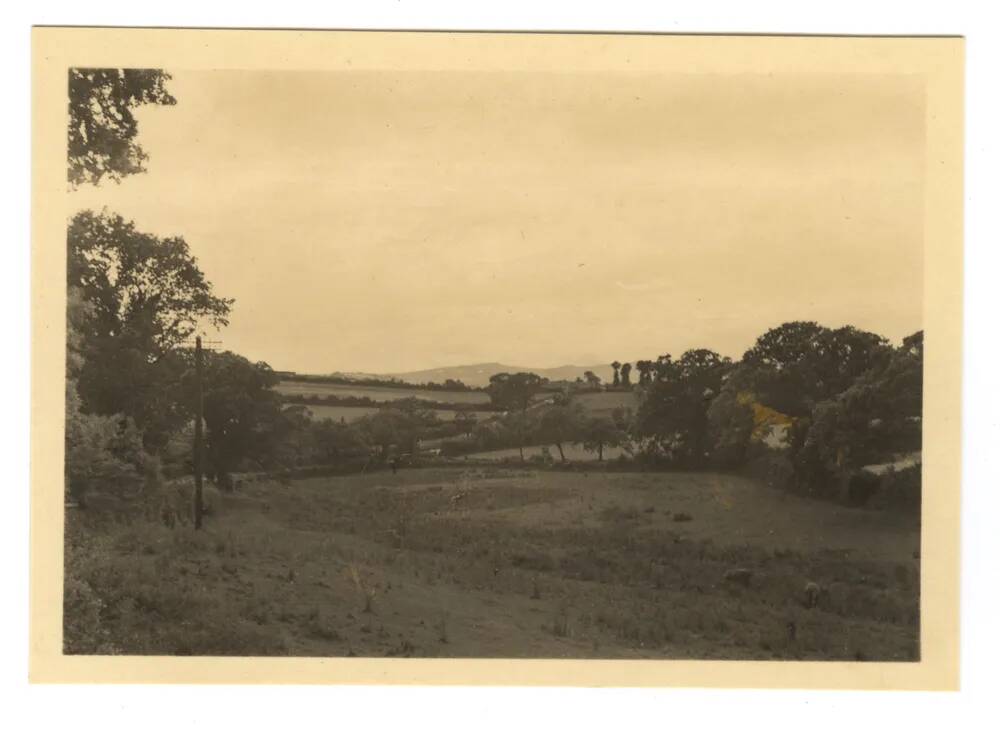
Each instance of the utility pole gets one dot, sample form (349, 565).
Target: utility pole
(199, 447)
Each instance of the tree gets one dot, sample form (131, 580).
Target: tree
(645, 369)
(465, 421)
(799, 364)
(513, 392)
(662, 367)
(626, 375)
(599, 432)
(145, 297)
(730, 427)
(674, 412)
(592, 379)
(616, 365)
(391, 428)
(875, 419)
(101, 450)
(102, 126)
(144, 290)
(243, 414)
(337, 441)
(560, 424)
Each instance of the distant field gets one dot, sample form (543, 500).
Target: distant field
(495, 562)
(573, 453)
(380, 394)
(606, 402)
(335, 412)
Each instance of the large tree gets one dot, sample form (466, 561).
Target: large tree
(242, 412)
(560, 424)
(874, 420)
(598, 432)
(626, 375)
(799, 364)
(102, 451)
(145, 297)
(513, 393)
(102, 124)
(673, 416)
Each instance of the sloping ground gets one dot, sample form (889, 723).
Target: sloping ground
(605, 403)
(349, 414)
(293, 388)
(573, 452)
(499, 563)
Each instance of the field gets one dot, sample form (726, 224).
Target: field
(494, 562)
(379, 394)
(336, 412)
(573, 452)
(604, 403)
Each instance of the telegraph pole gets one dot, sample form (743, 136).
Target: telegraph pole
(199, 447)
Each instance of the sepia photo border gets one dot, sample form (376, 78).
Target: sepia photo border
(938, 60)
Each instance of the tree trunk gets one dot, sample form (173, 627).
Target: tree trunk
(562, 456)
(520, 448)
(600, 452)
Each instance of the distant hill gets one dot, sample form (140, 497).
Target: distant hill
(478, 375)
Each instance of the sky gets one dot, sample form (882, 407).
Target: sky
(393, 221)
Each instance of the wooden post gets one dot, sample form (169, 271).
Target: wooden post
(199, 450)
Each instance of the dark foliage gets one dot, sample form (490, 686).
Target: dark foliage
(102, 126)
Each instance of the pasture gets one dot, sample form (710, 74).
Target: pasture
(497, 562)
(379, 394)
(350, 413)
(573, 452)
(604, 403)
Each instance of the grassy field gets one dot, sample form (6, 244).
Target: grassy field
(573, 452)
(379, 394)
(604, 403)
(493, 562)
(336, 412)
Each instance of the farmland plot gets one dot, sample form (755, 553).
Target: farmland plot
(495, 562)
(379, 394)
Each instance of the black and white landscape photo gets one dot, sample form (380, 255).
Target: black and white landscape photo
(483, 364)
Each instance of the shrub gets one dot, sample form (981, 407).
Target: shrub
(900, 490)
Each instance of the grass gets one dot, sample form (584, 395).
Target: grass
(524, 564)
(379, 394)
(349, 413)
(573, 452)
(604, 403)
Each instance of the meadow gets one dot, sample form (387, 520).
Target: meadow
(499, 562)
(573, 452)
(605, 403)
(349, 413)
(378, 394)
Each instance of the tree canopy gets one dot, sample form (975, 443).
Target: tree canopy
(102, 126)
(144, 297)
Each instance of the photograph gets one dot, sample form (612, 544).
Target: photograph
(499, 361)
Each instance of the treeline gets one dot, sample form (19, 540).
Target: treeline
(448, 385)
(808, 408)
(135, 302)
(364, 401)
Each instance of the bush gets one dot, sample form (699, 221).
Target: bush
(900, 490)
(772, 466)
